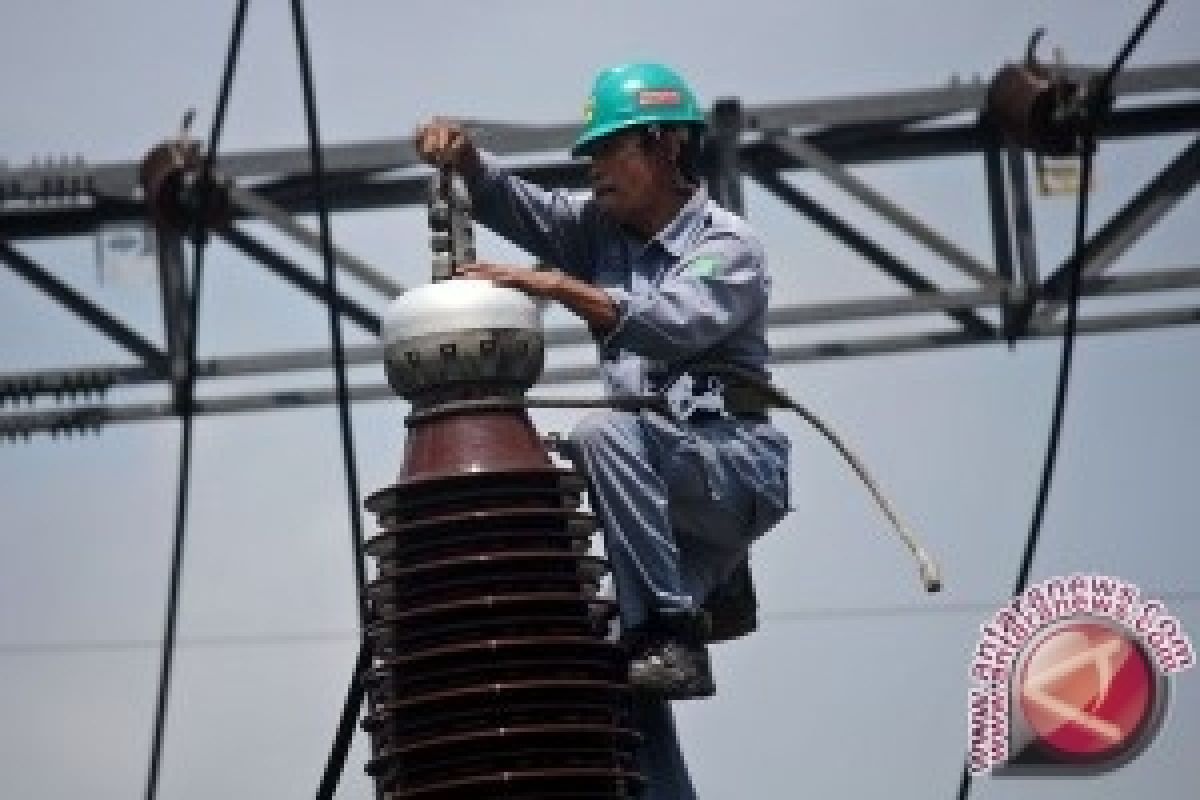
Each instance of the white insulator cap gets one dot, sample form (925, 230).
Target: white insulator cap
(464, 333)
(455, 306)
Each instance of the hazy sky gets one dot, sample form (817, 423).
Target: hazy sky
(868, 705)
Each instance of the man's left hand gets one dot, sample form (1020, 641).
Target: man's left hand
(590, 302)
(536, 282)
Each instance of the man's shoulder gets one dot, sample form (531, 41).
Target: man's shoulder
(729, 229)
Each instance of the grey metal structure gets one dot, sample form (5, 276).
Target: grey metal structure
(763, 144)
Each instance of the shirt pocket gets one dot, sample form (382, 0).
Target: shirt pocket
(609, 270)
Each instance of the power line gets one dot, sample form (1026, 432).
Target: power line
(187, 409)
(1096, 101)
(790, 617)
(336, 761)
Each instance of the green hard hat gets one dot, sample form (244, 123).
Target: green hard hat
(636, 94)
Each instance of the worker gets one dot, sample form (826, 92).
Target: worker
(668, 282)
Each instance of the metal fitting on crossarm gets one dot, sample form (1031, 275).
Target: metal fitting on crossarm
(178, 196)
(1035, 108)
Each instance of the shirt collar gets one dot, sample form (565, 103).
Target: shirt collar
(678, 234)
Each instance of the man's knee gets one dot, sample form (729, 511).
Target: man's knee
(603, 430)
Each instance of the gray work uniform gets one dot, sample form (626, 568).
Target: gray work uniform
(680, 501)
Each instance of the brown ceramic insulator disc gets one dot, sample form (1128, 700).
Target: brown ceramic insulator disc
(487, 698)
(518, 756)
(449, 676)
(399, 632)
(580, 707)
(496, 660)
(394, 550)
(509, 747)
(467, 576)
(493, 606)
(398, 641)
(547, 487)
(400, 574)
(446, 586)
(490, 500)
(469, 443)
(496, 649)
(540, 784)
(492, 676)
(405, 779)
(449, 534)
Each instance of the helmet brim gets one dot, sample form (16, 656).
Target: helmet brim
(587, 142)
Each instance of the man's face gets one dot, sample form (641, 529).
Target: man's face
(624, 176)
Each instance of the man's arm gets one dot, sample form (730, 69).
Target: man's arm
(589, 302)
(713, 291)
(548, 224)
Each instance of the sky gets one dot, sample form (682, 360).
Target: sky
(856, 684)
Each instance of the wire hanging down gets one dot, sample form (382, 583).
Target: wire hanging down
(354, 698)
(186, 407)
(1095, 104)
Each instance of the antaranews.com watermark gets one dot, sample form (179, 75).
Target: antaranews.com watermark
(1070, 677)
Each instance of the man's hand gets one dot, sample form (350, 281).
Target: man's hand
(445, 143)
(535, 282)
(590, 302)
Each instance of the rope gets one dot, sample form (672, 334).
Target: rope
(186, 407)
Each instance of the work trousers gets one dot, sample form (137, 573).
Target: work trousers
(680, 504)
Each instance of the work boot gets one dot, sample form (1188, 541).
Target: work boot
(732, 607)
(669, 657)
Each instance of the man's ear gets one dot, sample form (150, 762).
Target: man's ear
(673, 144)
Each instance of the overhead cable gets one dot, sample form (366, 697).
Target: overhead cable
(185, 400)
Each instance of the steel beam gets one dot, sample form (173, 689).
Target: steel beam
(15, 425)
(954, 98)
(15, 387)
(966, 138)
(723, 170)
(863, 245)
(176, 304)
(302, 280)
(1022, 216)
(798, 147)
(95, 192)
(1125, 227)
(368, 190)
(281, 219)
(997, 190)
(79, 305)
(1002, 236)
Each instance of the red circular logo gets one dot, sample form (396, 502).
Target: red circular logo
(1087, 690)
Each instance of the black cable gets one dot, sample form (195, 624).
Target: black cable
(1060, 401)
(184, 400)
(354, 698)
(1096, 105)
(356, 693)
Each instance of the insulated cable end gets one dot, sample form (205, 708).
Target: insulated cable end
(931, 575)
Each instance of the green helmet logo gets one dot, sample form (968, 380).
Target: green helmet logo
(636, 94)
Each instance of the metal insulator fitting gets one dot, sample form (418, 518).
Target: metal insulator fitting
(177, 196)
(1034, 108)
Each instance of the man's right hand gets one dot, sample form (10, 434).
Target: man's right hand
(445, 143)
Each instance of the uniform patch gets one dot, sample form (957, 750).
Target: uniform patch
(703, 266)
(659, 97)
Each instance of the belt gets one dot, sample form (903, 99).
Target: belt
(739, 397)
(705, 415)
